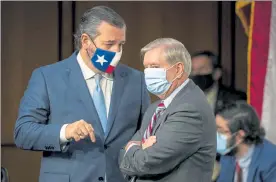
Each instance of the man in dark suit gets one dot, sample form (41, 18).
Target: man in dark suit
(206, 73)
(177, 139)
(246, 155)
(82, 110)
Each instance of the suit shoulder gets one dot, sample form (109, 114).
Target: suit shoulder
(196, 98)
(267, 158)
(54, 68)
(269, 149)
(49, 70)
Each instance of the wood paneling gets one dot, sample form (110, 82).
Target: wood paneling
(241, 57)
(29, 40)
(67, 31)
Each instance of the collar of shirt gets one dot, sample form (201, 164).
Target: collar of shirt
(169, 99)
(87, 72)
(244, 161)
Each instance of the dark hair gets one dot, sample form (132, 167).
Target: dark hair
(242, 116)
(92, 18)
(213, 57)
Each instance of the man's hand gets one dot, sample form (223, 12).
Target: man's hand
(79, 130)
(149, 142)
(132, 142)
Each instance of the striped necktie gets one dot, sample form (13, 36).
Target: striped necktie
(160, 108)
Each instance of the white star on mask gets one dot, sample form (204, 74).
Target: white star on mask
(101, 60)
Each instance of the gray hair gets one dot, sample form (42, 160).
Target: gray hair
(92, 18)
(174, 51)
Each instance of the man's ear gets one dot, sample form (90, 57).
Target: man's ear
(217, 74)
(241, 135)
(85, 41)
(180, 70)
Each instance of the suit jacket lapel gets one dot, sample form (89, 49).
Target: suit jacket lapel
(147, 118)
(120, 78)
(162, 118)
(254, 163)
(81, 91)
(180, 94)
(228, 171)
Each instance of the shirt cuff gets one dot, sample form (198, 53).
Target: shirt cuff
(63, 139)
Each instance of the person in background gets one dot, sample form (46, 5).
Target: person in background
(245, 155)
(177, 139)
(82, 110)
(206, 73)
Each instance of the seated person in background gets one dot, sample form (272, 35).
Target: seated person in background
(206, 73)
(245, 155)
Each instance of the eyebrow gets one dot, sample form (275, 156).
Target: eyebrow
(152, 65)
(114, 41)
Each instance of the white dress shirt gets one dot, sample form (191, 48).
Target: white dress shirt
(244, 163)
(88, 75)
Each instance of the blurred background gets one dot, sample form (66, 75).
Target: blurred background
(34, 34)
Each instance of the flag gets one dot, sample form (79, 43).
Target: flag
(259, 23)
(269, 100)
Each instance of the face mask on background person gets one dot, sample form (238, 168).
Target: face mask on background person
(222, 144)
(203, 81)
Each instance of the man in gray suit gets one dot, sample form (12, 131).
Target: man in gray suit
(177, 139)
(82, 110)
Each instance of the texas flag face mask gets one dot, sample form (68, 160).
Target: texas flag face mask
(106, 61)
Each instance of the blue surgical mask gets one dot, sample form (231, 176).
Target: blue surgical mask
(156, 80)
(222, 145)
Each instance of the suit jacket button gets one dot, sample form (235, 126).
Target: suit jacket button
(101, 179)
(105, 147)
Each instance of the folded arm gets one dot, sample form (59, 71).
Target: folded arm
(177, 139)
